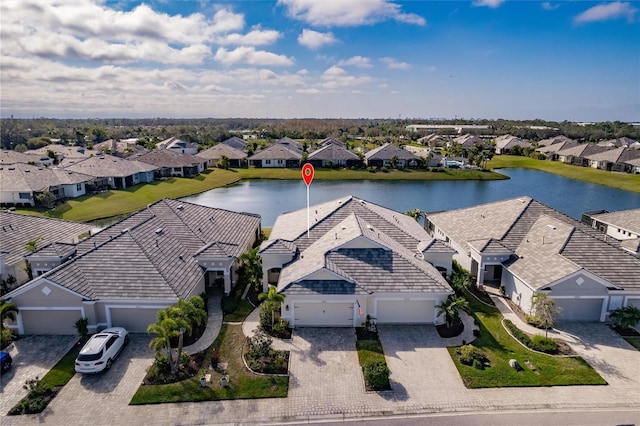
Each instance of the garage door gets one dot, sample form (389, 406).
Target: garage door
(406, 311)
(135, 320)
(579, 309)
(324, 314)
(50, 322)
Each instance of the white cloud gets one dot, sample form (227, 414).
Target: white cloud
(308, 91)
(488, 3)
(394, 64)
(356, 61)
(330, 13)
(336, 77)
(607, 11)
(548, 6)
(252, 38)
(249, 55)
(314, 39)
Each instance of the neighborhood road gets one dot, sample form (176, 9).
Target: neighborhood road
(326, 384)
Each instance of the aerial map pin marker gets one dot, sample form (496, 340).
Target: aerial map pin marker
(307, 173)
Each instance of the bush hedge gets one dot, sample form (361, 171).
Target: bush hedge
(470, 355)
(537, 343)
(376, 373)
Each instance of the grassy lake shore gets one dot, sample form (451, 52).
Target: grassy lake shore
(625, 181)
(119, 202)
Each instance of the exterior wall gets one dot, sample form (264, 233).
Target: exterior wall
(580, 284)
(443, 260)
(72, 191)
(39, 267)
(620, 233)
(18, 271)
(633, 301)
(8, 197)
(270, 261)
(516, 290)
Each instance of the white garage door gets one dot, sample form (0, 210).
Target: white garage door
(50, 322)
(135, 320)
(405, 311)
(579, 309)
(324, 314)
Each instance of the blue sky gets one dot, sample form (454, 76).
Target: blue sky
(563, 60)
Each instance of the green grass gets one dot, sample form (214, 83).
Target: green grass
(633, 341)
(500, 347)
(625, 181)
(242, 383)
(64, 369)
(369, 350)
(242, 311)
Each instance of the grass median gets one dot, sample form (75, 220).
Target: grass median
(625, 181)
(500, 347)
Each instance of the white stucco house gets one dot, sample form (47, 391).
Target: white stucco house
(124, 274)
(358, 259)
(528, 247)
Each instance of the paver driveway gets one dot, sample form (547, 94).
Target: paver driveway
(33, 356)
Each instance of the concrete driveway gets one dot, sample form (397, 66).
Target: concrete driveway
(33, 356)
(421, 368)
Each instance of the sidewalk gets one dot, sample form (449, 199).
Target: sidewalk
(214, 323)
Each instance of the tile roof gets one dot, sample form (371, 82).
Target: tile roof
(329, 141)
(333, 152)
(619, 142)
(101, 166)
(28, 178)
(558, 146)
(12, 157)
(359, 254)
(57, 249)
(388, 151)
(216, 151)
(63, 151)
(277, 151)
(627, 219)
(236, 142)
(158, 246)
(278, 247)
(569, 245)
(18, 229)
(616, 155)
(435, 246)
(582, 150)
(168, 158)
(554, 140)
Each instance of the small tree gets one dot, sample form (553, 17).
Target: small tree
(451, 308)
(273, 300)
(417, 214)
(82, 326)
(223, 162)
(253, 267)
(46, 199)
(624, 318)
(545, 309)
(32, 245)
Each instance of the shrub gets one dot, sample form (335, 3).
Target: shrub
(376, 373)
(533, 320)
(544, 344)
(259, 346)
(371, 169)
(5, 338)
(470, 355)
(384, 169)
(518, 334)
(229, 304)
(280, 329)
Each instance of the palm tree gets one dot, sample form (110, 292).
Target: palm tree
(272, 299)
(417, 214)
(624, 318)
(461, 282)
(33, 244)
(191, 310)
(169, 326)
(7, 310)
(253, 267)
(451, 308)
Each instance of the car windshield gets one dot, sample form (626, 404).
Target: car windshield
(90, 357)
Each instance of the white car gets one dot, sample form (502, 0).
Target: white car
(102, 348)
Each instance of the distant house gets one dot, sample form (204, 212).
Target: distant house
(237, 143)
(61, 152)
(13, 157)
(19, 229)
(529, 248)
(550, 151)
(621, 225)
(469, 140)
(237, 158)
(331, 141)
(385, 155)
(634, 165)
(21, 183)
(430, 157)
(179, 146)
(578, 154)
(433, 139)
(359, 260)
(618, 142)
(170, 163)
(334, 155)
(554, 140)
(120, 147)
(111, 172)
(124, 274)
(615, 160)
(505, 143)
(284, 153)
(454, 162)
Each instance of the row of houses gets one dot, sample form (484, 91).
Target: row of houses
(358, 259)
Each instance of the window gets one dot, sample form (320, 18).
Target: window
(267, 161)
(78, 187)
(25, 196)
(111, 341)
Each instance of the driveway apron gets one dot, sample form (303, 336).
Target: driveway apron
(33, 356)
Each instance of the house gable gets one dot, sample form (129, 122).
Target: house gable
(362, 242)
(581, 282)
(44, 292)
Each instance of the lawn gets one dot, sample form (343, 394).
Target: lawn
(624, 181)
(633, 341)
(500, 347)
(370, 351)
(242, 383)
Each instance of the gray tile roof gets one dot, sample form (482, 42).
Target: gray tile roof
(360, 254)
(619, 142)
(277, 151)
(102, 166)
(12, 157)
(520, 224)
(509, 141)
(330, 141)
(632, 245)
(278, 247)
(168, 158)
(216, 151)
(582, 150)
(152, 253)
(64, 151)
(28, 178)
(625, 219)
(616, 155)
(57, 249)
(554, 140)
(388, 151)
(236, 142)
(333, 152)
(558, 146)
(18, 229)
(435, 246)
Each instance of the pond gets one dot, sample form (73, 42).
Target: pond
(269, 198)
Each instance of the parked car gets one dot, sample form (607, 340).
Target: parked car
(5, 361)
(102, 348)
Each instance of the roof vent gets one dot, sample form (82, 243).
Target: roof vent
(180, 207)
(158, 231)
(551, 226)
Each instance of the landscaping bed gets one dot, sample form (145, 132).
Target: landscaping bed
(42, 391)
(372, 361)
(495, 343)
(629, 334)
